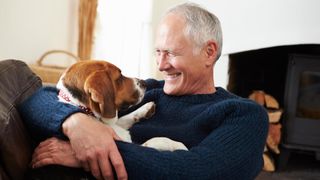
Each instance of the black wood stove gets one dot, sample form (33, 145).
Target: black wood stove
(291, 74)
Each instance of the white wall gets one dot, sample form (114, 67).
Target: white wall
(254, 24)
(30, 28)
(123, 35)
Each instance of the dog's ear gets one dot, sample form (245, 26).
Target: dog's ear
(99, 87)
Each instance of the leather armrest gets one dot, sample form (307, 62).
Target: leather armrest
(17, 82)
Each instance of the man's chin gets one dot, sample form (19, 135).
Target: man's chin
(170, 90)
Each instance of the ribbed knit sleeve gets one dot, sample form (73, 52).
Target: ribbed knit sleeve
(43, 114)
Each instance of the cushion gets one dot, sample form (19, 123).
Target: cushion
(17, 82)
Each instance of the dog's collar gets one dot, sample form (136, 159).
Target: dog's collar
(65, 96)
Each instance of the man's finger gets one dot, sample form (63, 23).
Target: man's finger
(47, 142)
(40, 153)
(85, 165)
(118, 164)
(38, 157)
(94, 168)
(106, 168)
(43, 162)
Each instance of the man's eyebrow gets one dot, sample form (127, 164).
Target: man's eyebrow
(176, 50)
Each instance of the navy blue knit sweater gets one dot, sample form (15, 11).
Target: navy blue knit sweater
(225, 134)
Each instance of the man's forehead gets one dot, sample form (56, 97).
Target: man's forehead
(171, 43)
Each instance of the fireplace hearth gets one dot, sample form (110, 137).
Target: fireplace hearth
(291, 74)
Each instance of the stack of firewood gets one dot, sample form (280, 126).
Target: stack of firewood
(274, 134)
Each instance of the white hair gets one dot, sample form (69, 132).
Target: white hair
(201, 25)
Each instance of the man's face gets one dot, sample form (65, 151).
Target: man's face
(183, 71)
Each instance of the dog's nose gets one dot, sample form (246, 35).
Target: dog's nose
(141, 83)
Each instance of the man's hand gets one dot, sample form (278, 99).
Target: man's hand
(54, 151)
(94, 146)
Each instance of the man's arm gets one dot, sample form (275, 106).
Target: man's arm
(43, 114)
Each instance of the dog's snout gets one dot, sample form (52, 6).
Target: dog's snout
(140, 89)
(141, 83)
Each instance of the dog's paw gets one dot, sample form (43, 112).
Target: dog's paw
(150, 109)
(164, 144)
(145, 111)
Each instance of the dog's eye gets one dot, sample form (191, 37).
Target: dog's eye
(120, 79)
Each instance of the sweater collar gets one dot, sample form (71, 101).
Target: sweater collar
(219, 94)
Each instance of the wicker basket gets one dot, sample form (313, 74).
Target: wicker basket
(50, 73)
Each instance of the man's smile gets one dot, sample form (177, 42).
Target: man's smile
(171, 76)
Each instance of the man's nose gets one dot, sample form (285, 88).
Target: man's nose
(162, 61)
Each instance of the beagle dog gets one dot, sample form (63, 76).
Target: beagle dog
(99, 89)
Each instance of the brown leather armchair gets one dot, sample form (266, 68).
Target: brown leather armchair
(17, 82)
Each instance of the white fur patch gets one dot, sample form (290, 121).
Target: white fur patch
(164, 144)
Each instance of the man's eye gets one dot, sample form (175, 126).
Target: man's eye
(171, 54)
(165, 53)
(158, 52)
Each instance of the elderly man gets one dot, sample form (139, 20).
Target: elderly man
(225, 134)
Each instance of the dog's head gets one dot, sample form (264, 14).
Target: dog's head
(100, 86)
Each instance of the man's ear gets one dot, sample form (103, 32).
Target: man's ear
(211, 52)
(99, 87)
